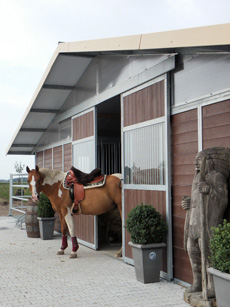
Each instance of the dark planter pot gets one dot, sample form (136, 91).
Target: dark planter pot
(222, 286)
(147, 261)
(46, 226)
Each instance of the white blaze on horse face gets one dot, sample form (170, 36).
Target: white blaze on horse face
(70, 222)
(34, 191)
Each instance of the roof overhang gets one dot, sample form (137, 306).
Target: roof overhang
(70, 61)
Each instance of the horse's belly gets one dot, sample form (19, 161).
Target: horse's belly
(95, 205)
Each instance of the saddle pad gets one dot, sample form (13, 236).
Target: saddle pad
(97, 183)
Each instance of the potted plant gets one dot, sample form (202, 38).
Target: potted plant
(220, 262)
(45, 217)
(148, 230)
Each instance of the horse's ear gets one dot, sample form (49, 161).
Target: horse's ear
(37, 169)
(28, 169)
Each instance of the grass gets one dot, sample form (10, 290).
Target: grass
(4, 191)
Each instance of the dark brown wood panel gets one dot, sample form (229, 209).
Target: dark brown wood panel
(185, 138)
(216, 125)
(84, 226)
(48, 158)
(83, 126)
(146, 104)
(182, 265)
(215, 109)
(134, 197)
(67, 157)
(39, 159)
(57, 158)
(184, 150)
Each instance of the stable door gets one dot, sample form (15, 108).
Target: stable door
(84, 157)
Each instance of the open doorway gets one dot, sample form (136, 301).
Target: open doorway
(109, 161)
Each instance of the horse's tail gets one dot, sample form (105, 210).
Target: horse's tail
(120, 183)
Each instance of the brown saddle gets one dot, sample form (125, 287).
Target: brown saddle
(76, 181)
(84, 178)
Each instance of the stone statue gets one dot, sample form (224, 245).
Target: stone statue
(205, 209)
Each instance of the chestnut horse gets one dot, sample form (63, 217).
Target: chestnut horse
(97, 200)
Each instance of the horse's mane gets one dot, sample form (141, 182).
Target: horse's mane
(51, 176)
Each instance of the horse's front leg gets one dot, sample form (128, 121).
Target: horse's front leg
(64, 234)
(70, 222)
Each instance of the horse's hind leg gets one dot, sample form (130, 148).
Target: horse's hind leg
(64, 235)
(70, 222)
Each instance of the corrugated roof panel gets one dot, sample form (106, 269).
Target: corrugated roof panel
(51, 98)
(28, 137)
(16, 150)
(38, 120)
(67, 70)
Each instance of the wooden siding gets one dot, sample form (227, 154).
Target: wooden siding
(134, 197)
(184, 150)
(143, 105)
(48, 158)
(39, 159)
(84, 227)
(216, 125)
(67, 157)
(83, 126)
(57, 158)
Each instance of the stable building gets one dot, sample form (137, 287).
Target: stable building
(141, 105)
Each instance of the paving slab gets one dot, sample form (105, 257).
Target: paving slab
(31, 274)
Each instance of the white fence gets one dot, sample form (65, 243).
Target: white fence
(18, 182)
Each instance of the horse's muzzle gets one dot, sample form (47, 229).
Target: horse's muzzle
(35, 197)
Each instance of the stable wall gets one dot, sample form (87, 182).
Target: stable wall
(200, 118)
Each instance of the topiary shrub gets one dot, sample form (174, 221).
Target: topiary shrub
(220, 247)
(146, 225)
(44, 206)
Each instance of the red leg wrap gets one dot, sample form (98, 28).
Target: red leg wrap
(64, 243)
(75, 245)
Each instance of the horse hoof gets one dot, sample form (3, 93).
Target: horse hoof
(73, 255)
(118, 255)
(60, 252)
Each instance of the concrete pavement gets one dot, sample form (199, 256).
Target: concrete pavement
(31, 274)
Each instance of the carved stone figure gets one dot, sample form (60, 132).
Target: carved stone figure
(205, 209)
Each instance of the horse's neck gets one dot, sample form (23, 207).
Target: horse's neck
(51, 177)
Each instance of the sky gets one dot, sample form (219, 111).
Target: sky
(30, 32)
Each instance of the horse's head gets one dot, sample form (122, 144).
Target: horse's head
(35, 180)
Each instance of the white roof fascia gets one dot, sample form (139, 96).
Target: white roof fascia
(53, 59)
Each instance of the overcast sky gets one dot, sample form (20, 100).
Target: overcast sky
(30, 31)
